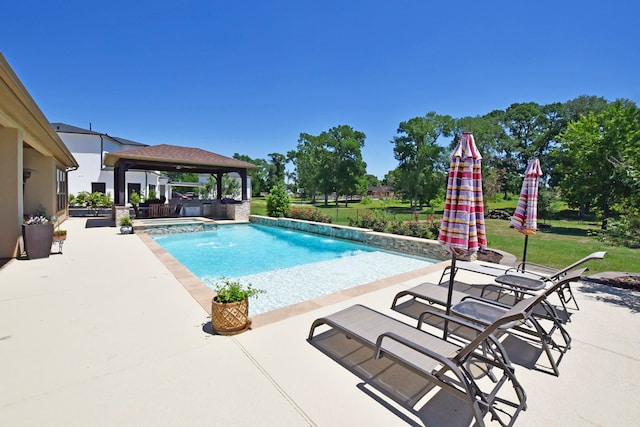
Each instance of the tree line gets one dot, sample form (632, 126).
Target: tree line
(589, 149)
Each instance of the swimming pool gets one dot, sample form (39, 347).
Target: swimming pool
(291, 266)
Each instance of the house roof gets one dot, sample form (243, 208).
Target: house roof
(65, 128)
(19, 110)
(175, 158)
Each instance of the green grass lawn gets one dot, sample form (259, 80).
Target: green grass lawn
(558, 243)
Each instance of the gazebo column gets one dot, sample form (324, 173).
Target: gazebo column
(243, 176)
(219, 186)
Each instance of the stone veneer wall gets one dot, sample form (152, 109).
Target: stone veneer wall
(392, 242)
(118, 212)
(238, 211)
(177, 228)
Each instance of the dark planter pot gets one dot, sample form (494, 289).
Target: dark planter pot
(37, 240)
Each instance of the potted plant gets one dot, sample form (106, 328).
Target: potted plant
(126, 225)
(37, 234)
(230, 306)
(58, 234)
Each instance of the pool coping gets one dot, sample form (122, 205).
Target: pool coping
(203, 294)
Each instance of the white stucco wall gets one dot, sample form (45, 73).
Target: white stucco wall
(89, 149)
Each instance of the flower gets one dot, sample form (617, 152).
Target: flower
(35, 220)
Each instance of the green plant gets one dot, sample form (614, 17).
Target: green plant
(59, 233)
(229, 290)
(152, 195)
(277, 201)
(307, 214)
(134, 198)
(125, 221)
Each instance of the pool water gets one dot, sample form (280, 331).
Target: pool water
(291, 266)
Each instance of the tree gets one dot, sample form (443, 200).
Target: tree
(372, 180)
(208, 189)
(230, 187)
(275, 171)
(329, 163)
(350, 169)
(491, 139)
(306, 162)
(258, 175)
(599, 156)
(422, 163)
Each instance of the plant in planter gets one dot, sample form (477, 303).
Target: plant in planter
(230, 306)
(37, 234)
(126, 225)
(58, 234)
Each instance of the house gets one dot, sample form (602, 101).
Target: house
(380, 192)
(34, 162)
(89, 148)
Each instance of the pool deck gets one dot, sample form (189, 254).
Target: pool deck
(106, 335)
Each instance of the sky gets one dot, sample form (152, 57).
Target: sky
(248, 77)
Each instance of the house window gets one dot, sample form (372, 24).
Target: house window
(61, 189)
(98, 187)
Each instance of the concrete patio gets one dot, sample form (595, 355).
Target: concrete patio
(105, 335)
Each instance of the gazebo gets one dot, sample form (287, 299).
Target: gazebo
(171, 158)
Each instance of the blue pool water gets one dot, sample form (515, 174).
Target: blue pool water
(291, 266)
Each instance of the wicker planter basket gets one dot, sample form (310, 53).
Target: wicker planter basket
(230, 318)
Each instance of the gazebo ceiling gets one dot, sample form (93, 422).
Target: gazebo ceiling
(166, 157)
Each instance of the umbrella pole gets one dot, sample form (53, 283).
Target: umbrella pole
(452, 274)
(524, 255)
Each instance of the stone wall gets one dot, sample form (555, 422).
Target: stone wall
(238, 211)
(391, 242)
(118, 212)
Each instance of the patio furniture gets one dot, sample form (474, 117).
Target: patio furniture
(158, 210)
(485, 311)
(532, 272)
(446, 364)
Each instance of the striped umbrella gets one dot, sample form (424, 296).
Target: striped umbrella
(462, 231)
(525, 218)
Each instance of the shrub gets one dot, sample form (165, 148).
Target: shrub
(308, 214)
(378, 221)
(375, 220)
(92, 201)
(277, 201)
(624, 231)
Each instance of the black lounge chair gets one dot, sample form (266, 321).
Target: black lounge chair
(533, 277)
(485, 312)
(446, 364)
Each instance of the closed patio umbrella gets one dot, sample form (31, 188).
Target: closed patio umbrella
(462, 232)
(525, 218)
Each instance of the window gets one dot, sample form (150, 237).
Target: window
(61, 189)
(99, 187)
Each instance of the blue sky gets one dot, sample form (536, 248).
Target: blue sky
(250, 76)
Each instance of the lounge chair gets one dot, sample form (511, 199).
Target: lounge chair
(485, 312)
(533, 272)
(446, 364)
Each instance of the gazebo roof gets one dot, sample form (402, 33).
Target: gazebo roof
(173, 157)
